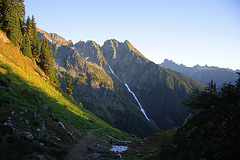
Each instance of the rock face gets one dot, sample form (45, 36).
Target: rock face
(204, 74)
(53, 37)
(90, 50)
(159, 91)
(99, 77)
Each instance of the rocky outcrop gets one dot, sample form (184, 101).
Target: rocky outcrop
(90, 51)
(53, 37)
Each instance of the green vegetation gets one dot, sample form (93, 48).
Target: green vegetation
(69, 85)
(12, 14)
(23, 34)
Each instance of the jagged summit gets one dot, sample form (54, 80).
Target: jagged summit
(53, 37)
(204, 74)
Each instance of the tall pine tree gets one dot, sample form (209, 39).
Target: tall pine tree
(35, 46)
(10, 20)
(26, 43)
(69, 85)
(47, 61)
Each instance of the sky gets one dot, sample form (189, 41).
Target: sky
(191, 32)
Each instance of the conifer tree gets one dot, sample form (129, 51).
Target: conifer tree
(47, 61)
(26, 43)
(35, 46)
(69, 85)
(10, 20)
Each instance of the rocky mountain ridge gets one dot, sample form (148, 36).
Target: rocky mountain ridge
(205, 73)
(158, 90)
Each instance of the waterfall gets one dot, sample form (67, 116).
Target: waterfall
(142, 110)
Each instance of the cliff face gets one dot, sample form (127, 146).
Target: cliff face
(90, 50)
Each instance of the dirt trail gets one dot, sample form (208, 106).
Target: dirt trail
(79, 151)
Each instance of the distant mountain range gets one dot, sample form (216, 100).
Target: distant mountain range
(118, 84)
(204, 74)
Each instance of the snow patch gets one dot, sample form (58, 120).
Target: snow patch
(86, 58)
(73, 47)
(142, 110)
(118, 148)
(82, 53)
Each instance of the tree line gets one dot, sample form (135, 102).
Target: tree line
(22, 32)
(210, 97)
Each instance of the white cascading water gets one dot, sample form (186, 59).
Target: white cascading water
(142, 110)
(112, 71)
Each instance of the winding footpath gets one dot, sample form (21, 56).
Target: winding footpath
(79, 151)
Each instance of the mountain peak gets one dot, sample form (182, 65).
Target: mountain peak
(53, 37)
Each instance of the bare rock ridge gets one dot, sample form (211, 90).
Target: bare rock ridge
(159, 90)
(53, 37)
(90, 50)
(203, 74)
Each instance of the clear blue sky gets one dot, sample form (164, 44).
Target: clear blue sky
(186, 31)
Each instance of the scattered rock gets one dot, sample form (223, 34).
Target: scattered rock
(98, 148)
(27, 122)
(139, 155)
(41, 157)
(70, 134)
(28, 135)
(46, 107)
(35, 115)
(10, 125)
(96, 155)
(21, 113)
(112, 139)
(41, 144)
(54, 118)
(62, 125)
(133, 135)
(118, 156)
(13, 112)
(58, 139)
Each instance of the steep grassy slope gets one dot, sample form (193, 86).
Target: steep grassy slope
(36, 117)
